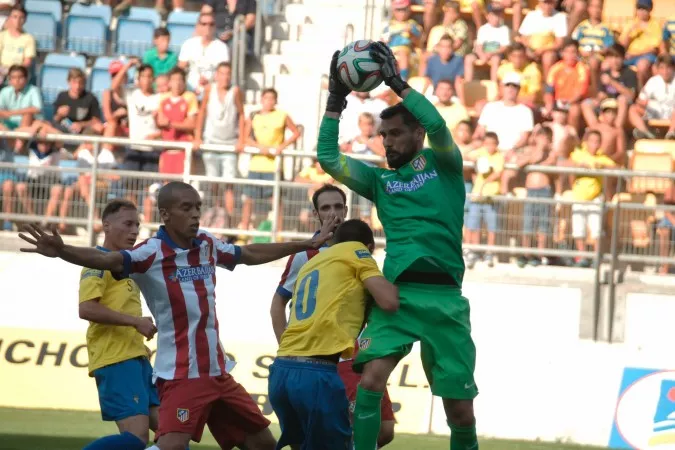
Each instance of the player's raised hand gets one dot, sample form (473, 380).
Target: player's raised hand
(146, 327)
(327, 230)
(381, 53)
(45, 244)
(338, 92)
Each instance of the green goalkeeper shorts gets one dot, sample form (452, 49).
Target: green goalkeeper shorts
(438, 317)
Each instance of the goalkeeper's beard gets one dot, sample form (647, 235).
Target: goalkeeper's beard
(396, 159)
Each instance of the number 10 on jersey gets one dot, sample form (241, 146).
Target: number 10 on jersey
(305, 302)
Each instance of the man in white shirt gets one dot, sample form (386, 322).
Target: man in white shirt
(656, 101)
(200, 55)
(542, 32)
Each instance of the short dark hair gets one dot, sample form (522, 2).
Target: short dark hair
(465, 122)
(115, 205)
(176, 71)
(223, 64)
(399, 110)
(166, 194)
(547, 131)
(492, 135)
(447, 37)
(517, 47)
(143, 67)
(75, 73)
(19, 7)
(18, 68)
(569, 42)
(327, 188)
(617, 50)
(445, 81)
(161, 31)
(270, 91)
(354, 230)
(665, 59)
(589, 133)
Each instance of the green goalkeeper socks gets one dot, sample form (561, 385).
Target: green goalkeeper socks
(367, 419)
(463, 438)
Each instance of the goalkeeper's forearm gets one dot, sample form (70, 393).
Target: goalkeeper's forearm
(92, 258)
(432, 121)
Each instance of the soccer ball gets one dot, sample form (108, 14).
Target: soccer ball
(357, 70)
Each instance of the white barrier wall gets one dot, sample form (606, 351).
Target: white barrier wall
(536, 379)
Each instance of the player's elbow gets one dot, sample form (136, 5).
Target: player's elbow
(85, 311)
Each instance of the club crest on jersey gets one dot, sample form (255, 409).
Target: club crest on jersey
(364, 343)
(183, 415)
(184, 274)
(419, 163)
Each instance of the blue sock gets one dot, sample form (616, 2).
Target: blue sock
(122, 441)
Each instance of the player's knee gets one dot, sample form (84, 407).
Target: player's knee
(459, 412)
(373, 380)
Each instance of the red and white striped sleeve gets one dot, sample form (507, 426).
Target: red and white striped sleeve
(140, 258)
(290, 275)
(226, 255)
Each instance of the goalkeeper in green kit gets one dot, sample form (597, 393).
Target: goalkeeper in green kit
(420, 202)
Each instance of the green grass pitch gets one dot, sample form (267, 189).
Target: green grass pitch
(23, 429)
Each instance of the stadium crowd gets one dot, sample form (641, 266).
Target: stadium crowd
(560, 86)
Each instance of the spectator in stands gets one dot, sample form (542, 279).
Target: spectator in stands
(452, 25)
(445, 65)
(542, 32)
(617, 82)
(656, 101)
(357, 104)
(587, 189)
(225, 12)
(7, 179)
(665, 228)
(402, 34)
(38, 183)
(176, 5)
(462, 135)
(613, 138)
(119, 7)
(114, 102)
(142, 108)
(201, 54)
(159, 57)
(510, 120)
(668, 44)
(529, 73)
(20, 103)
(491, 44)
(565, 139)
(452, 111)
(489, 166)
(221, 121)
(76, 109)
(16, 46)
(266, 130)
(178, 109)
(594, 38)
(162, 83)
(367, 143)
(568, 83)
(5, 8)
(536, 216)
(642, 38)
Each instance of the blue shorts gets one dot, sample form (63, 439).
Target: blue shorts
(633, 61)
(125, 389)
(259, 192)
(537, 215)
(311, 404)
(484, 211)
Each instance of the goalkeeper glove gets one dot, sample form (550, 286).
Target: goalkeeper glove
(381, 53)
(337, 91)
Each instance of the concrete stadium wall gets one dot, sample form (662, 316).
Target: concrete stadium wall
(539, 378)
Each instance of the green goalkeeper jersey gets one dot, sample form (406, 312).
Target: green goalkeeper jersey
(420, 205)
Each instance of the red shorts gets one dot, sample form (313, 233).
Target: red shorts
(351, 381)
(185, 406)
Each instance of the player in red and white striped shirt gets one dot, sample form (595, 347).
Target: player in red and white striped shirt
(176, 271)
(328, 201)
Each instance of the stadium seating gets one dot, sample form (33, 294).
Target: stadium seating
(181, 25)
(654, 162)
(100, 79)
(88, 29)
(44, 23)
(54, 74)
(135, 30)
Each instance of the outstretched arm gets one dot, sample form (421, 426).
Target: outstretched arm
(52, 246)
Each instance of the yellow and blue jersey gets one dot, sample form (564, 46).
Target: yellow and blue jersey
(669, 36)
(593, 37)
(401, 34)
(329, 302)
(110, 344)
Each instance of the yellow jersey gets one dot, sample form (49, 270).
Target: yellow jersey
(269, 129)
(110, 344)
(530, 78)
(329, 302)
(645, 39)
(587, 188)
(487, 164)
